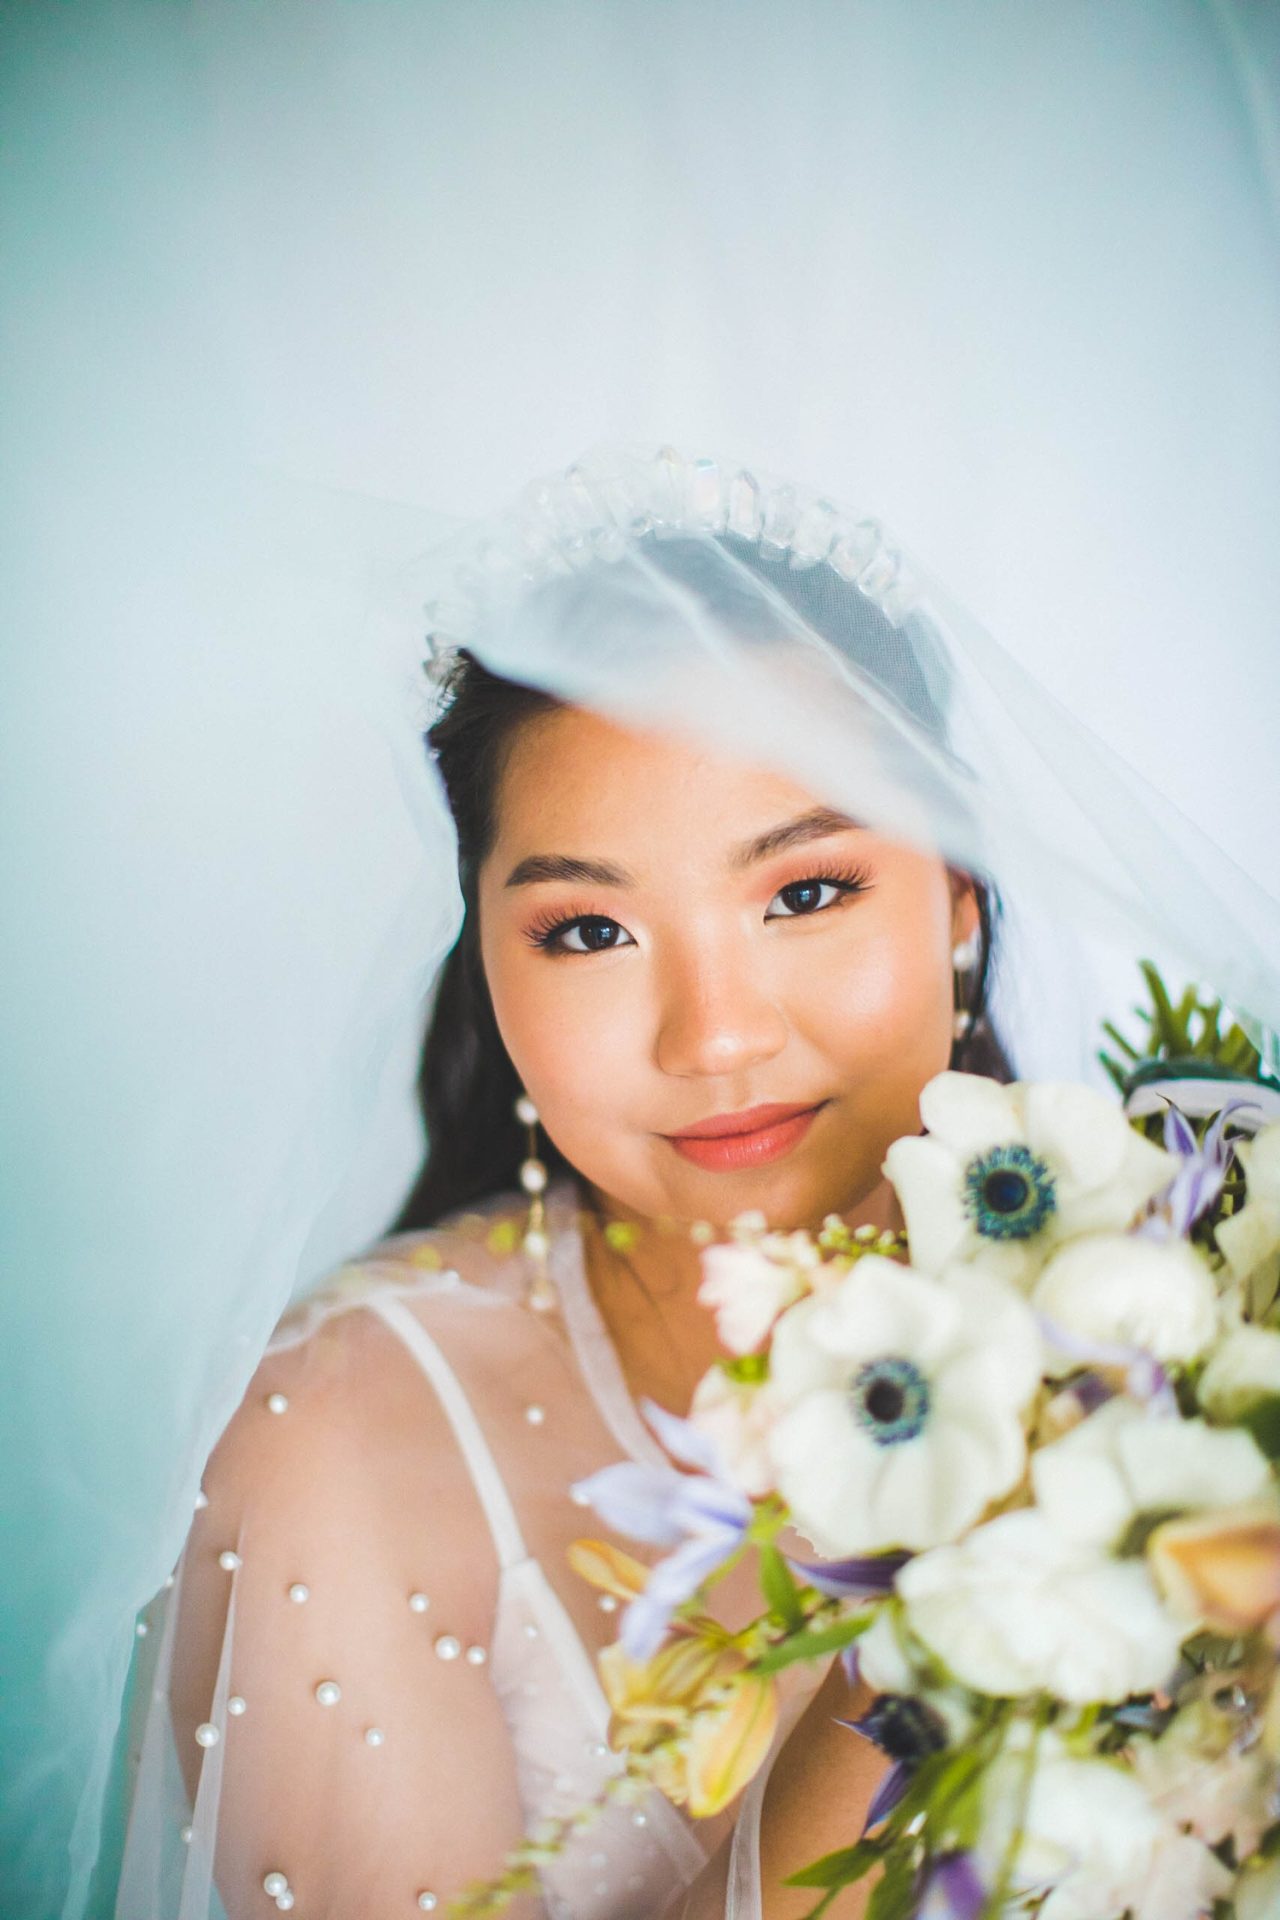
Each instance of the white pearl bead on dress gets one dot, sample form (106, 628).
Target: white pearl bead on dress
(141, 1629)
(285, 1900)
(299, 1592)
(608, 1603)
(328, 1693)
(535, 1415)
(418, 1603)
(184, 1834)
(202, 1499)
(374, 1736)
(207, 1734)
(448, 1646)
(236, 1704)
(278, 1402)
(275, 1884)
(428, 1902)
(229, 1560)
(476, 1656)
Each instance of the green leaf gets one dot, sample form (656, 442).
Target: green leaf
(1114, 1033)
(894, 1896)
(780, 1590)
(1262, 1420)
(839, 1869)
(1170, 1028)
(814, 1643)
(1210, 1039)
(1114, 1069)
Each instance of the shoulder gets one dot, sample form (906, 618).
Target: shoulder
(473, 1251)
(341, 1438)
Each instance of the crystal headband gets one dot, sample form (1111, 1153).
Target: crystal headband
(599, 508)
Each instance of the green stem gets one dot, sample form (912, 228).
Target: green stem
(993, 1906)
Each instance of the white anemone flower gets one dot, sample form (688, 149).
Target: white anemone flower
(1119, 1289)
(1244, 1369)
(1250, 1239)
(1124, 1461)
(901, 1402)
(1092, 1835)
(1007, 1173)
(1016, 1608)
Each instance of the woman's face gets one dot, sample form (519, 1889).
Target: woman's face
(672, 937)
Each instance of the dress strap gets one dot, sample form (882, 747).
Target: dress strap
(483, 1468)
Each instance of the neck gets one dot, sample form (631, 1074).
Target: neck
(645, 1274)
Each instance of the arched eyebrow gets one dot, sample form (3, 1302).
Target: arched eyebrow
(818, 824)
(559, 866)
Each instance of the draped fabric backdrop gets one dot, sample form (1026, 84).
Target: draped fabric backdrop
(291, 286)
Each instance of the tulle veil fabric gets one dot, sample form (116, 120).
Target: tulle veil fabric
(128, 1348)
(711, 600)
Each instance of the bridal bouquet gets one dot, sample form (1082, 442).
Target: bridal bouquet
(1032, 1444)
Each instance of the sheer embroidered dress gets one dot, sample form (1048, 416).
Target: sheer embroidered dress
(374, 1670)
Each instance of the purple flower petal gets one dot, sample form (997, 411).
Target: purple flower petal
(635, 1499)
(887, 1794)
(953, 1890)
(1145, 1378)
(871, 1573)
(645, 1622)
(1179, 1135)
(699, 1505)
(683, 1441)
(1092, 1391)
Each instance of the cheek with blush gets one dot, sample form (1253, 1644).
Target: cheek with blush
(580, 1048)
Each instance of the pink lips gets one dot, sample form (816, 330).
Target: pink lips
(747, 1139)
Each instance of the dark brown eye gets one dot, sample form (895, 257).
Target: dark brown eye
(805, 897)
(591, 935)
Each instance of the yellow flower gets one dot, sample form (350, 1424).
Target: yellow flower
(712, 1720)
(729, 1743)
(608, 1568)
(1221, 1569)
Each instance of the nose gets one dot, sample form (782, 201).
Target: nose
(716, 1017)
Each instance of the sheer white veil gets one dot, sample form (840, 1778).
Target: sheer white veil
(221, 599)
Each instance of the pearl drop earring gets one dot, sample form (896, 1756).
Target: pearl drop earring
(541, 1294)
(964, 955)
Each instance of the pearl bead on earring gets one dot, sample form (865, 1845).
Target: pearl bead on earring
(964, 954)
(541, 1294)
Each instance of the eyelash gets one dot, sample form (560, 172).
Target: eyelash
(849, 881)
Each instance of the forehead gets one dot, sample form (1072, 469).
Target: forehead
(573, 777)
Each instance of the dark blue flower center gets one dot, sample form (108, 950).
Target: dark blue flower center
(1008, 1193)
(890, 1399)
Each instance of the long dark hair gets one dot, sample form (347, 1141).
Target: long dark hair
(467, 1085)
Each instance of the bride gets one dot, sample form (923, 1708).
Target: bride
(729, 905)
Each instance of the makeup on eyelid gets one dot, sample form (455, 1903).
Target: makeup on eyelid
(850, 882)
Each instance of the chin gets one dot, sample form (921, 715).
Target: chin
(788, 1196)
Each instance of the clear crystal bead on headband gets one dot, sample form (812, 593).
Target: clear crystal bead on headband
(595, 509)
